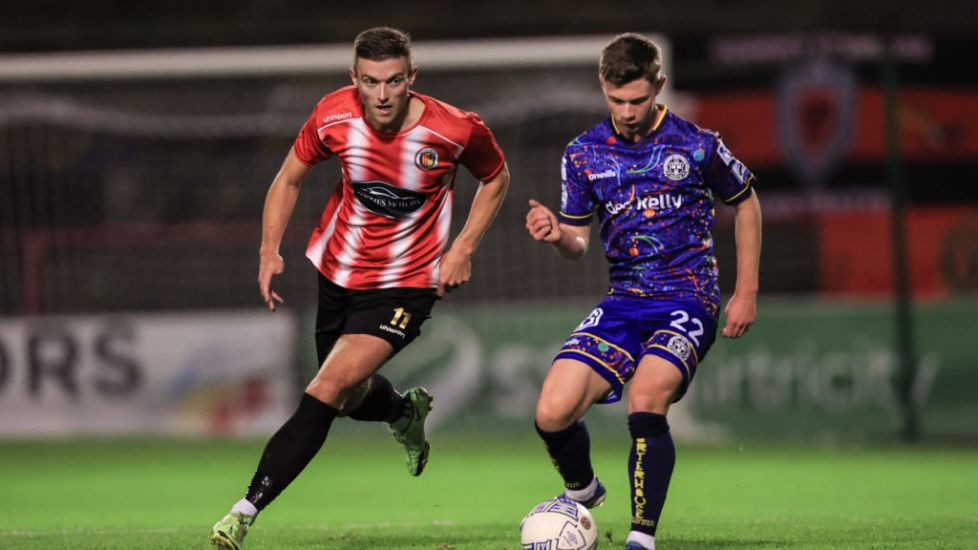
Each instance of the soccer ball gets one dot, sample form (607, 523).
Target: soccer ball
(558, 524)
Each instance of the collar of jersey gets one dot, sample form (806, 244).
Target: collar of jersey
(652, 130)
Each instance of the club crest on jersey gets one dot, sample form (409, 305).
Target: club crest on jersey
(676, 167)
(388, 200)
(679, 346)
(426, 159)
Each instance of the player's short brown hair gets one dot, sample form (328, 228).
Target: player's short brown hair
(628, 57)
(380, 43)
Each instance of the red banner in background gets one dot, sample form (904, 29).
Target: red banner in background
(856, 252)
(935, 124)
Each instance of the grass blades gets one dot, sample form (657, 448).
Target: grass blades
(356, 495)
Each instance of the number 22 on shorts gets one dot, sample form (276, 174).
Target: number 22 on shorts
(681, 319)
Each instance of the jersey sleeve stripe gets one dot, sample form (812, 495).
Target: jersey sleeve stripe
(574, 220)
(580, 222)
(742, 194)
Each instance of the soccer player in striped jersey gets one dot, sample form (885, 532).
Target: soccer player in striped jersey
(650, 178)
(381, 250)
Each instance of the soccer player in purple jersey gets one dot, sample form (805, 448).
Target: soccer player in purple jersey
(650, 178)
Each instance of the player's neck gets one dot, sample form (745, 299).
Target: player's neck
(414, 111)
(649, 127)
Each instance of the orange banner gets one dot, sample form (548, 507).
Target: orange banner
(856, 252)
(935, 124)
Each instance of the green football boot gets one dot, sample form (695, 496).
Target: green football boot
(409, 429)
(231, 530)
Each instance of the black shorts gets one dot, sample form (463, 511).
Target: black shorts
(394, 314)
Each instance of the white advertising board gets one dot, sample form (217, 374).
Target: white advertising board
(175, 374)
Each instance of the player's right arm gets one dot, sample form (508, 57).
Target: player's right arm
(279, 203)
(570, 241)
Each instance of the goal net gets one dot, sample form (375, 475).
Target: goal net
(134, 181)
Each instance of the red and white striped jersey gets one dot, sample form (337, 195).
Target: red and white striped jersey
(387, 223)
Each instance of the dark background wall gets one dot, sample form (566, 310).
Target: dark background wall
(50, 25)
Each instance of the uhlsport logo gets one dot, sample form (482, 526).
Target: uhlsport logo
(676, 167)
(336, 116)
(388, 200)
(426, 159)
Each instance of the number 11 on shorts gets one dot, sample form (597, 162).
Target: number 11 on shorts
(401, 318)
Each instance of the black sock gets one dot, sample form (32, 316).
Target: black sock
(382, 402)
(650, 464)
(570, 451)
(290, 450)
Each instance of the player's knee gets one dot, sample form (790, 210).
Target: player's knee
(553, 415)
(654, 399)
(342, 393)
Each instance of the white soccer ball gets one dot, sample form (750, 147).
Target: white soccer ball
(558, 524)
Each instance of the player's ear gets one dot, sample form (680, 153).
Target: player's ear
(412, 74)
(660, 84)
(353, 74)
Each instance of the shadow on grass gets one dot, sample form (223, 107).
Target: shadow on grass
(359, 540)
(699, 544)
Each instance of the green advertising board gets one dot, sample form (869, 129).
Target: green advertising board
(807, 370)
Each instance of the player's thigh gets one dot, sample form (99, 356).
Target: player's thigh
(568, 391)
(654, 386)
(343, 376)
(331, 312)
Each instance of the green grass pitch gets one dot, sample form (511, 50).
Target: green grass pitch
(357, 494)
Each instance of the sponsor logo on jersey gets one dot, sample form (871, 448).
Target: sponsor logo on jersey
(388, 200)
(676, 167)
(653, 202)
(426, 159)
(609, 173)
(391, 330)
(336, 116)
(679, 346)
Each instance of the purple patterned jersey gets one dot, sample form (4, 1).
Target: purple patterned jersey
(654, 201)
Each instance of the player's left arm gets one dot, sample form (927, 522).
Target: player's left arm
(456, 263)
(742, 306)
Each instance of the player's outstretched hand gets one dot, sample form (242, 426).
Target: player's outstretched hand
(542, 223)
(455, 270)
(739, 313)
(270, 266)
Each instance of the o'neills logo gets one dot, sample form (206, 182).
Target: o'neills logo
(426, 159)
(388, 200)
(609, 173)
